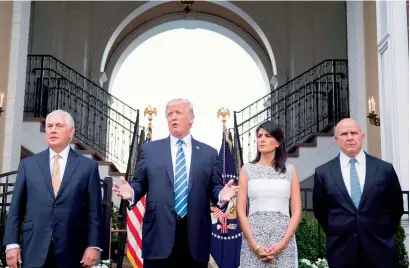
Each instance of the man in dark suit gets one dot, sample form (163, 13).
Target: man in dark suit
(180, 176)
(357, 199)
(56, 203)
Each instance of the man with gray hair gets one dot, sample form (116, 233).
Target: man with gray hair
(180, 176)
(56, 203)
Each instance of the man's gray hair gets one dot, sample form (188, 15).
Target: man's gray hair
(179, 101)
(68, 118)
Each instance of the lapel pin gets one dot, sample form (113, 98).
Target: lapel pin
(197, 147)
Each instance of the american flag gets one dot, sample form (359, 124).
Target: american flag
(134, 225)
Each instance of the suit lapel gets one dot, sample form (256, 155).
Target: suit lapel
(337, 175)
(371, 169)
(166, 154)
(195, 156)
(44, 163)
(72, 163)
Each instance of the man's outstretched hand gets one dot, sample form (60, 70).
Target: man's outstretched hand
(228, 192)
(123, 189)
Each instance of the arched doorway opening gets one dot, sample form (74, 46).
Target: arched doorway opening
(139, 20)
(180, 60)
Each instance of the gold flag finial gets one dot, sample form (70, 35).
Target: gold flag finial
(150, 111)
(223, 112)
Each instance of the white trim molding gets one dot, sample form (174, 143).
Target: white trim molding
(178, 20)
(270, 66)
(393, 66)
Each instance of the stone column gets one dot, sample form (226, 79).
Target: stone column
(14, 103)
(356, 62)
(6, 18)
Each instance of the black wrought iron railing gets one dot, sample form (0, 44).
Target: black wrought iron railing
(309, 103)
(102, 122)
(6, 193)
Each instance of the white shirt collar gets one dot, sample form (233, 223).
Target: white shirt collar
(360, 158)
(187, 140)
(63, 154)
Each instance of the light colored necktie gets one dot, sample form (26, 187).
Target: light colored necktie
(55, 176)
(181, 182)
(356, 191)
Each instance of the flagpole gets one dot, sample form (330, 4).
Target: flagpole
(226, 233)
(134, 256)
(217, 212)
(223, 112)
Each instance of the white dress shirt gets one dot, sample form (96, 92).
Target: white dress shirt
(187, 147)
(62, 161)
(360, 168)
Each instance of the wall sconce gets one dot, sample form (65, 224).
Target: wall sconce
(374, 120)
(1, 102)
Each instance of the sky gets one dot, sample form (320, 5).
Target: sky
(209, 69)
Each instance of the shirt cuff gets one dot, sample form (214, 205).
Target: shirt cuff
(220, 204)
(96, 248)
(11, 246)
(131, 202)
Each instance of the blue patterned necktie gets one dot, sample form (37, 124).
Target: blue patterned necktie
(181, 182)
(354, 183)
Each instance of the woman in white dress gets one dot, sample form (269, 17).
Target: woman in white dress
(270, 184)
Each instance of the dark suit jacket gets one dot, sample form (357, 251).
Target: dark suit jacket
(154, 176)
(365, 234)
(73, 218)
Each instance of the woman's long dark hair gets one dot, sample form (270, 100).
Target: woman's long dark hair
(280, 153)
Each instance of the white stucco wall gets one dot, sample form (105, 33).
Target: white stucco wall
(312, 157)
(306, 32)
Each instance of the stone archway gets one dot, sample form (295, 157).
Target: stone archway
(136, 38)
(145, 20)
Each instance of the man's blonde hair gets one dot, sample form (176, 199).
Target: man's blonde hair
(179, 101)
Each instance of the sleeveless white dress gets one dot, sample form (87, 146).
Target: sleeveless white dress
(269, 197)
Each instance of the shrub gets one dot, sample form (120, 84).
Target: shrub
(400, 241)
(311, 242)
(310, 239)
